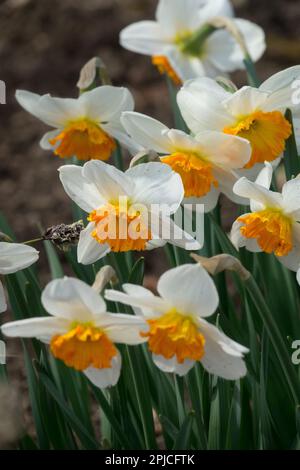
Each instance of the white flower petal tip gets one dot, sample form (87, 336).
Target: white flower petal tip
(108, 377)
(16, 256)
(3, 304)
(298, 277)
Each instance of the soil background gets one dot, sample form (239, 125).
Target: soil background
(43, 45)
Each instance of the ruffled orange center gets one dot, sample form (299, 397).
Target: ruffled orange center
(85, 140)
(177, 335)
(272, 230)
(267, 133)
(84, 346)
(164, 67)
(123, 227)
(196, 174)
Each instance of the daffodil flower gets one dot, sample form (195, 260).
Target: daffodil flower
(178, 334)
(127, 211)
(204, 162)
(80, 331)
(273, 226)
(85, 127)
(255, 114)
(14, 257)
(176, 23)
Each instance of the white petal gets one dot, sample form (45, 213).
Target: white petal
(106, 103)
(190, 290)
(177, 15)
(245, 101)
(72, 299)
(123, 329)
(222, 357)
(148, 132)
(227, 180)
(16, 256)
(3, 304)
(117, 131)
(209, 202)
(281, 80)
(245, 188)
(172, 365)
(109, 181)
(35, 327)
(103, 378)
(292, 260)
(200, 102)
(89, 250)
(225, 150)
(44, 142)
(291, 198)
(239, 241)
(139, 291)
(156, 184)
(157, 305)
(298, 276)
(185, 66)
(169, 231)
(265, 176)
(79, 189)
(227, 55)
(56, 112)
(211, 9)
(144, 37)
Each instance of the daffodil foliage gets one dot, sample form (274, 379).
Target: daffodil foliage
(207, 358)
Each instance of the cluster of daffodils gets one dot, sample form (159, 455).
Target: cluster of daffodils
(232, 141)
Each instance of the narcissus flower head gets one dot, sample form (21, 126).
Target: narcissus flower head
(205, 161)
(255, 114)
(176, 23)
(14, 257)
(178, 335)
(273, 226)
(85, 127)
(80, 331)
(127, 211)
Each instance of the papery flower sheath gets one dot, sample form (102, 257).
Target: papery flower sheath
(86, 127)
(256, 114)
(14, 257)
(176, 23)
(205, 161)
(273, 225)
(80, 331)
(127, 211)
(178, 334)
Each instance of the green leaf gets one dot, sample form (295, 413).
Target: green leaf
(291, 159)
(183, 439)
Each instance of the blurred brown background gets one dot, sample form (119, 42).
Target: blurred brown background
(43, 45)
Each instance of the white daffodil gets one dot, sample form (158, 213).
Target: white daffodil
(80, 331)
(256, 114)
(127, 211)
(204, 162)
(178, 335)
(176, 23)
(85, 127)
(273, 226)
(14, 257)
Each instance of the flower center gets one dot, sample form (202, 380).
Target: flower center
(196, 174)
(164, 67)
(123, 227)
(85, 140)
(271, 228)
(267, 133)
(84, 346)
(175, 334)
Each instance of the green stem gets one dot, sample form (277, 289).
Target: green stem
(118, 157)
(251, 72)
